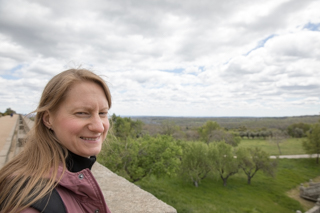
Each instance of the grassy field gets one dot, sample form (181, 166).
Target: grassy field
(292, 146)
(264, 195)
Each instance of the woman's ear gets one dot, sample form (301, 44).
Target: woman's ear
(46, 120)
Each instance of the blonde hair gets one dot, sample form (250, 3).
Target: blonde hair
(32, 174)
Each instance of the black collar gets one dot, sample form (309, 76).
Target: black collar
(76, 163)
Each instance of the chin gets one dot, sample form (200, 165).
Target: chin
(94, 153)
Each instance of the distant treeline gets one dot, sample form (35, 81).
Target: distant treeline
(8, 111)
(232, 123)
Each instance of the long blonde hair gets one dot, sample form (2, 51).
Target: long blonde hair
(23, 180)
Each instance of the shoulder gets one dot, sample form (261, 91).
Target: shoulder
(29, 210)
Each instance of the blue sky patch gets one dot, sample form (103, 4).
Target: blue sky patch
(9, 77)
(16, 68)
(178, 70)
(10, 74)
(261, 43)
(201, 68)
(312, 26)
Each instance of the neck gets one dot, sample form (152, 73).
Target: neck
(76, 163)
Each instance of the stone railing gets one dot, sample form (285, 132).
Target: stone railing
(121, 195)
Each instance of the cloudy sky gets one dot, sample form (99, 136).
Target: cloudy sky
(168, 58)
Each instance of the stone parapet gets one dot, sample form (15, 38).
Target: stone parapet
(121, 195)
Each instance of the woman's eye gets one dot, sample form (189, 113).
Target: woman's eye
(82, 113)
(104, 114)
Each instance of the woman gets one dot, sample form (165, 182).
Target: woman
(52, 173)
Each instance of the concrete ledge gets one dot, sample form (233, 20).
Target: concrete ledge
(123, 196)
(315, 209)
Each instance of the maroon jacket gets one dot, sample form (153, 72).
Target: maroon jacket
(79, 192)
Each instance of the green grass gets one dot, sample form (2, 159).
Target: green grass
(292, 146)
(265, 194)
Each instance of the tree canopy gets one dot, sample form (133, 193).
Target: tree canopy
(312, 144)
(136, 158)
(9, 111)
(251, 160)
(195, 164)
(223, 161)
(206, 130)
(125, 127)
(298, 130)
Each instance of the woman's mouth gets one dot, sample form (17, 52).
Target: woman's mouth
(90, 138)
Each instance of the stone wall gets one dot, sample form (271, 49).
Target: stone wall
(316, 208)
(121, 195)
(124, 197)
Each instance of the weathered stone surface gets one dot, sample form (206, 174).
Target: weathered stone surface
(123, 196)
(315, 209)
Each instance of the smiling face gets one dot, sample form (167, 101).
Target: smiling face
(81, 122)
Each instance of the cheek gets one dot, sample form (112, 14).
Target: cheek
(69, 127)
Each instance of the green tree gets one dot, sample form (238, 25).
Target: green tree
(278, 137)
(195, 164)
(9, 111)
(221, 135)
(251, 160)
(136, 158)
(264, 134)
(242, 134)
(298, 130)
(124, 128)
(222, 158)
(206, 131)
(312, 144)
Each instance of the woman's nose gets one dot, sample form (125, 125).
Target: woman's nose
(96, 124)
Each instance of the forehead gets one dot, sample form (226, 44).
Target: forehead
(85, 92)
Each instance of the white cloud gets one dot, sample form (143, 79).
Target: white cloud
(181, 58)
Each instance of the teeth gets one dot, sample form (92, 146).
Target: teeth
(89, 139)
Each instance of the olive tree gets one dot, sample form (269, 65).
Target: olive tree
(221, 135)
(312, 144)
(206, 131)
(278, 137)
(251, 160)
(195, 164)
(222, 160)
(136, 158)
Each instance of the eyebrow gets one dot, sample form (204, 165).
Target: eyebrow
(90, 108)
(105, 108)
